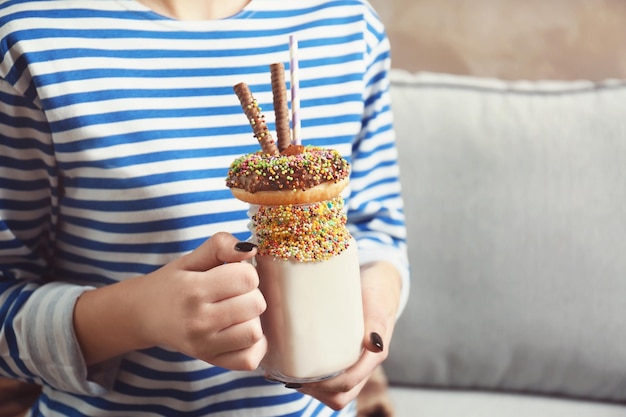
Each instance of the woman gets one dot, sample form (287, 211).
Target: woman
(117, 233)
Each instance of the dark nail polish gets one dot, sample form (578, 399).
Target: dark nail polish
(293, 385)
(244, 246)
(377, 341)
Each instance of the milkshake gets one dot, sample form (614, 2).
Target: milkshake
(307, 260)
(314, 318)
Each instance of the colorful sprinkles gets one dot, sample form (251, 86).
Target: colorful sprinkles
(261, 172)
(307, 232)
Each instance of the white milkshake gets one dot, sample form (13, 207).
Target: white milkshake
(314, 316)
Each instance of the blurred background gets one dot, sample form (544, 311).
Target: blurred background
(509, 39)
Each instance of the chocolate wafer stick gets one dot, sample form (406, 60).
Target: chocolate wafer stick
(281, 109)
(257, 120)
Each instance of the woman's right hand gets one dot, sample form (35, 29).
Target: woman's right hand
(205, 304)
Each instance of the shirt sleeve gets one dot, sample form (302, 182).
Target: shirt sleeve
(37, 339)
(375, 207)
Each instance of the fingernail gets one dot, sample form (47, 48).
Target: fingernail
(270, 379)
(377, 341)
(293, 385)
(244, 246)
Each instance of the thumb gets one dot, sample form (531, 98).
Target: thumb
(376, 324)
(219, 249)
(381, 295)
(375, 333)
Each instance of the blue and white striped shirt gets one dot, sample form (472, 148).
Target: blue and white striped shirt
(117, 127)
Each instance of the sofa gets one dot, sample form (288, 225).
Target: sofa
(515, 196)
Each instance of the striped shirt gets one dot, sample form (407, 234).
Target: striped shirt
(117, 127)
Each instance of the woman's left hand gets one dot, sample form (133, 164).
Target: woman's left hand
(381, 287)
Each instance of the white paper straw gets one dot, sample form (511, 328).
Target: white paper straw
(295, 91)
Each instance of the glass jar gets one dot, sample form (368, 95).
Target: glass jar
(309, 275)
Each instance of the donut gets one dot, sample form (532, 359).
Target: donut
(322, 192)
(298, 175)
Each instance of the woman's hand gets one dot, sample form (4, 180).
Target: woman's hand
(205, 304)
(381, 286)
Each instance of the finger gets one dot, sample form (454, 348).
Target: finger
(377, 332)
(243, 360)
(237, 337)
(375, 325)
(221, 248)
(378, 323)
(381, 294)
(353, 376)
(334, 400)
(230, 280)
(238, 309)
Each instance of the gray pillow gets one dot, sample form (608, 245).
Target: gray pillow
(516, 207)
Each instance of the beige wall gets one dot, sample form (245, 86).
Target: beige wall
(513, 39)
